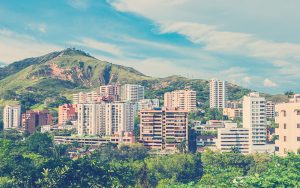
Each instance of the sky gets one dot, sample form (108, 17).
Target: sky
(252, 43)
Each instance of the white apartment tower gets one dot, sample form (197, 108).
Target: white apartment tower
(254, 118)
(217, 94)
(12, 116)
(131, 92)
(181, 99)
(105, 118)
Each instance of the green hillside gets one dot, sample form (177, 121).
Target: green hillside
(59, 74)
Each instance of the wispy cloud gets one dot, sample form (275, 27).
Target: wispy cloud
(15, 46)
(98, 45)
(79, 4)
(38, 27)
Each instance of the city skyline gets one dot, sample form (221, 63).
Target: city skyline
(203, 40)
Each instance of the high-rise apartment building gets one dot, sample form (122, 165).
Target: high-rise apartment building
(111, 91)
(181, 99)
(217, 94)
(105, 118)
(288, 131)
(233, 138)
(163, 129)
(32, 119)
(12, 116)
(254, 118)
(270, 109)
(131, 92)
(67, 112)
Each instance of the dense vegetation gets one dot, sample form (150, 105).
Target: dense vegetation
(37, 162)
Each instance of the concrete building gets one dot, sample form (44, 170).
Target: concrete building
(181, 99)
(105, 118)
(231, 137)
(288, 119)
(86, 97)
(270, 109)
(67, 112)
(233, 113)
(254, 118)
(233, 104)
(133, 93)
(217, 94)
(147, 104)
(32, 119)
(163, 129)
(12, 117)
(111, 91)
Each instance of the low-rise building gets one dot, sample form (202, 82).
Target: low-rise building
(233, 138)
(233, 113)
(147, 104)
(181, 99)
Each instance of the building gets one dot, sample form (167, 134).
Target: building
(67, 112)
(233, 138)
(288, 131)
(111, 91)
(233, 104)
(133, 93)
(206, 141)
(86, 97)
(164, 129)
(105, 118)
(217, 94)
(270, 109)
(124, 138)
(181, 99)
(32, 119)
(233, 113)
(12, 117)
(147, 104)
(254, 118)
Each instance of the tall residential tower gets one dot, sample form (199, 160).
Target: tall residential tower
(217, 94)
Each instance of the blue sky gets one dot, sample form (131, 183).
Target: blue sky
(252, 43)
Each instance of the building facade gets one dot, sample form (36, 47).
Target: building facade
(111, 91)
(288, 131)
(233, 113)
(147, 104)
(270, 109)
(254, 118)
(105, 118)
(67, 112)
(181, 99)
(12, 117)
(217, 94)
(32, 119)
(131, 92)
(232, 138)
(163, 129)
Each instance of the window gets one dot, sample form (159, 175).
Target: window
(298, 126)
(298, 139)
(298, 112)
(284, 138)
(284, 126)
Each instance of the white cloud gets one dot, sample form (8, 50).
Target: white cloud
(269, 83)
(79, 4)
(15, 46)
(98, 45)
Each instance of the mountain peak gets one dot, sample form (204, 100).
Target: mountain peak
(73, 51)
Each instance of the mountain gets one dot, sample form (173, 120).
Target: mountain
(72, 70)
